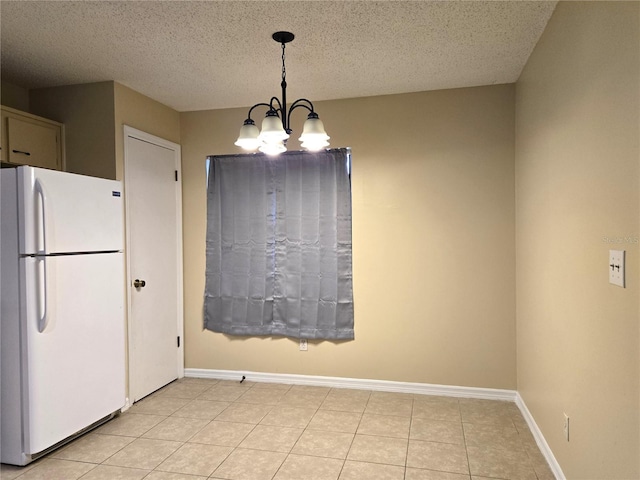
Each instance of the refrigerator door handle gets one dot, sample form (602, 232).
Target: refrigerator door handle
(40, 191)
(43, 295)
(43, 291)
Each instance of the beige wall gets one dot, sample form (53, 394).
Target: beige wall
(94, 115)
(87, 113)
(141, 112)
(14, 96)
(577, 183)
(433, 241)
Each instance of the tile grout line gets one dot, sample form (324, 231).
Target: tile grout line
(354, 435)
(295, 443)
(464, 439)
(234, 449)
(298, 439)
(406, 458)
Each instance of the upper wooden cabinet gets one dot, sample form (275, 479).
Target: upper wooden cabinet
(31, 140)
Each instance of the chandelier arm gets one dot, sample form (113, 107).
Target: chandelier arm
(280, 107)
(276, 101)
(299, 103)
(257, 105)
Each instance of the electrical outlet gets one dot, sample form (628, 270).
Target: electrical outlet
(566, 427)
(303, 344)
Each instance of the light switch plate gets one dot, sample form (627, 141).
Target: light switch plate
(616, 267)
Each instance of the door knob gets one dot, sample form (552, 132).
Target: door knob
(139, 283)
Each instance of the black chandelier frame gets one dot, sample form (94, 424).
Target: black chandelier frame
(278, 108)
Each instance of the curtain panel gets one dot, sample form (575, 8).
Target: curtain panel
(278, 248)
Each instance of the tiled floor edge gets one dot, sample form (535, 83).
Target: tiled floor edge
(540, 440)
(355, 383)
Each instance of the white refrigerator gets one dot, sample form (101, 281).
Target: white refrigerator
(62, 293)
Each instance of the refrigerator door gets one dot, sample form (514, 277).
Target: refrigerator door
(75, 360)
(62, 212)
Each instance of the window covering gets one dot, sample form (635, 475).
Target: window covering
(278, 247)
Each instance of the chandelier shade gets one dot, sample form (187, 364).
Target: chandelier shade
(272, 129)
(313, 136)
(248, 138)
(275, 130)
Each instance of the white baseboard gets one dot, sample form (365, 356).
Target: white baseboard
(355, 383)
(540, 440)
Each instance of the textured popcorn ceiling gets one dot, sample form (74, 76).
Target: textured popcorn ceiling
(216, 54)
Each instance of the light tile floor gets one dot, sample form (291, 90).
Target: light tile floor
(196, 429)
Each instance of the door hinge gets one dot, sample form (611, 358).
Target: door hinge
(176, 175)
(178, 341)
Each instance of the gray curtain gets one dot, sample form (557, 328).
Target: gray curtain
(279, 245)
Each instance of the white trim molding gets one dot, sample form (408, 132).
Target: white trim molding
(355, 383)
(540, 440)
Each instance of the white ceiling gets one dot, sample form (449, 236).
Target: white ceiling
(197, 55)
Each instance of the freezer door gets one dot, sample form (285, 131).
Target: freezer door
(75, 360)
(62, 212)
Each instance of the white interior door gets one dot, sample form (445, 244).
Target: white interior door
(154, 259)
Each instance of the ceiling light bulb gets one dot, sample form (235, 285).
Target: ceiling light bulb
(273, 148)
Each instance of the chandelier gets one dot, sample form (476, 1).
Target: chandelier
(272, 138)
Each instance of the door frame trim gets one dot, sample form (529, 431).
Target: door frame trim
(132, 133)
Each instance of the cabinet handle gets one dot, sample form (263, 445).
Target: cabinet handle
(20, 151)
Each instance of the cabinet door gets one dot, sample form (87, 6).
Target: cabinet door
(33, 144)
